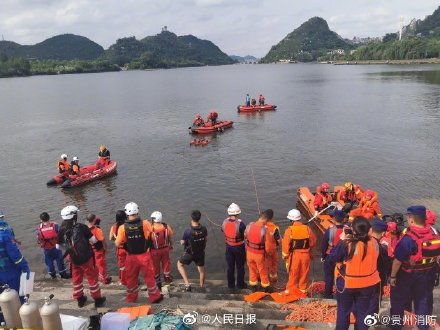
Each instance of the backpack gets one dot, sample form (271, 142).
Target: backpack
(77, 245)
(197, 241)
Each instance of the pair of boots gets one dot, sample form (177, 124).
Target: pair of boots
(255, 288)
(63, 275)
(99, 302)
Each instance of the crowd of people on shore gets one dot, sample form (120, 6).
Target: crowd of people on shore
(360, 255)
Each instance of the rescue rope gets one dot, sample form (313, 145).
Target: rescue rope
(256, 192)
(215, 224)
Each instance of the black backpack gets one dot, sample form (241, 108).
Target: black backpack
(197, 242)
(77, 245)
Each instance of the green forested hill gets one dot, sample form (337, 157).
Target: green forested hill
(306, 43)
(61, 47)
(164, 50)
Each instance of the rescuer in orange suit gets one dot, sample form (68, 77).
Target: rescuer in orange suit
(322, 197)
(103, 157)
(135, 234)
(273, 240)
(63, 165)
(74, 166)
(161, 237)
(350, 196)
(255, 235)
(198, 121)
(99, 249)
(368, 207)
(297, 243)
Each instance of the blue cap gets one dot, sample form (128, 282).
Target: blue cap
(419, 210)
(339, 215)
(379, 225)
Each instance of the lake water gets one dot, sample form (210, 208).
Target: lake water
(377, 126)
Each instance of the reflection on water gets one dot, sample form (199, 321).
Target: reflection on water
(377, 126)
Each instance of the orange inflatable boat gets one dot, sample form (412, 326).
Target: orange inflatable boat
(305, 206)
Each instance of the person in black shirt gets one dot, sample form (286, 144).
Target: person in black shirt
(194, 241)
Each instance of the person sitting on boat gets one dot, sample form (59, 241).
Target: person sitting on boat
(261, 100)
(103, 157)
(212, 118)
(198, 121)
(254, 102)
(322, 198)
(248, 100)
(368, 207)
(74, 166)
(63, 165)
(350, 196)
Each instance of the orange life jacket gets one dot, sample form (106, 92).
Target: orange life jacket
(322, 200)
(160, 237)
(299, 238)
(390, 240)
(360, 273)
(62, 166)
(255, 238)
(271, 243)
(427, 240)
(334, 237)
(231, 230)
(47, 235)
(99, 245)
(75, 169)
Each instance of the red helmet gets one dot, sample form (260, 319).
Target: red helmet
(369, 193)
(325, 185)
(431, 217)
(391, 226)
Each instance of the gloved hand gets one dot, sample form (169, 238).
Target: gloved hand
(57, 246)
(25, 269)
(316, 213)
(322, 259)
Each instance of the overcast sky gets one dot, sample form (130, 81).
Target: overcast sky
(237, 26)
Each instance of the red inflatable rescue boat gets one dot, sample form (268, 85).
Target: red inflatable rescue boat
(88, 173)
(256, 108)
(209, 128)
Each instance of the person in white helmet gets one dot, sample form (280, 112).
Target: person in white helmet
(135, 235)
(74, 166)
(233, 229)
(63, 165)
(78, 240)
(161, 238)
(297, 243)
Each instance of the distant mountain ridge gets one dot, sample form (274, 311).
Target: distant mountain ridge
(424, 27)
(306, 43)
(60, 47)
(244, 59)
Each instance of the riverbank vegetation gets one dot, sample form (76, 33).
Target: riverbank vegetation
(20, 67)
(405, 49)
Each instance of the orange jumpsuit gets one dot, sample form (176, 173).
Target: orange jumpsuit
(99, 254)
(121, 255)
(255, 253)
(367, 209)
(297, 243)
(273, 239)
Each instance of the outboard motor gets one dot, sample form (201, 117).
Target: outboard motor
(30, 317)
(50, 315)
(10, 305)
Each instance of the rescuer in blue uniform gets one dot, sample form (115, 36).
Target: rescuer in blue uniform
(12, 262)
(414, 267)
(233, 229)
(329, 241)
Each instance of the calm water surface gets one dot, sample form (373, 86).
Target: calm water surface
(375, 125)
